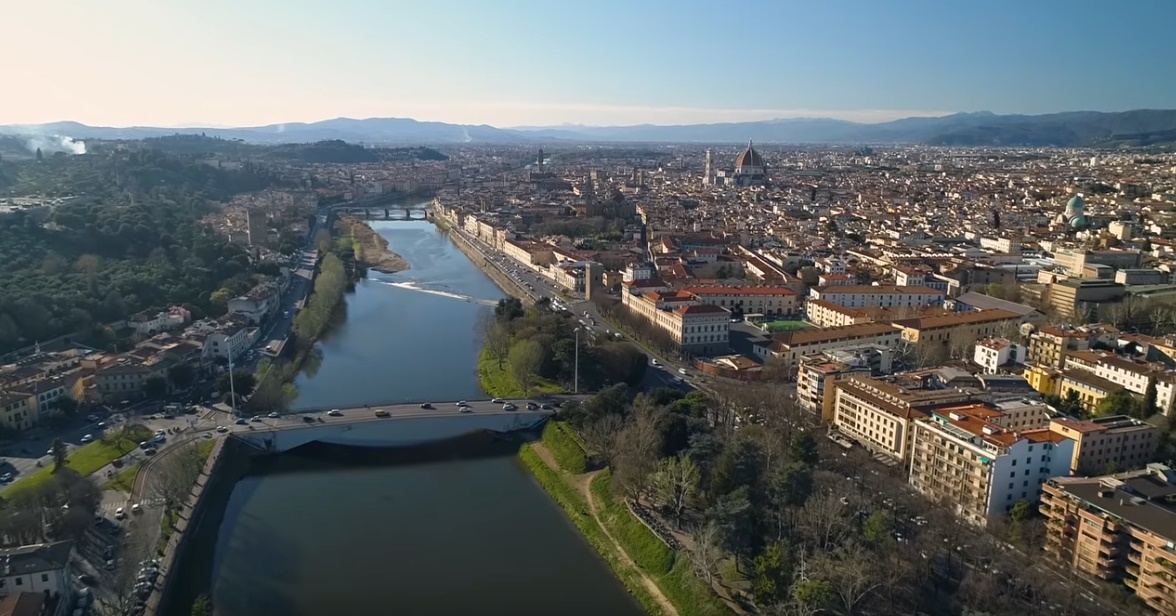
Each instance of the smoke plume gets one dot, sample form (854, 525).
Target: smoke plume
(56, 143)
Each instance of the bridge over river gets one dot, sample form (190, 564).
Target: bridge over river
(401, 425)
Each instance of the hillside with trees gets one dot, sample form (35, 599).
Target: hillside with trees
(126, 237)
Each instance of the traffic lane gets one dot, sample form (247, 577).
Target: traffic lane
(364, 415)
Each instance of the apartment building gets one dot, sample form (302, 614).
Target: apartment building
(1115, 442)
(866, 296)
(1117, 528)
(1074, 260)
(1131, 374)
(815, 375)
(789, 347)
(993, 354)
(878, 414)
(772, 301)
(1084, 300)
(42, 569)
(258, 304)
(959, 456)
(18, 410)
(1050, 344)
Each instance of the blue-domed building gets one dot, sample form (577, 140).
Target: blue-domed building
(1075, 215)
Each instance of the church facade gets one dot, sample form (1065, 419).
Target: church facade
(750, 170)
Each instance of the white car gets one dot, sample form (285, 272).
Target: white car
(87, 438)
(136, 508)
(222, 429)
(119, 513)
(335, 413)
(497, 400)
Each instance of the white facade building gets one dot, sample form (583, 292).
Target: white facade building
(993, 353)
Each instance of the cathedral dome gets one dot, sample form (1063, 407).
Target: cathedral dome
(749, 158)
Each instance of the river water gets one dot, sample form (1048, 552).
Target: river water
(462, 531)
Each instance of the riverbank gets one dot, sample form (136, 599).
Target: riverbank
(508, 285)
(371, 249)
(662, 580)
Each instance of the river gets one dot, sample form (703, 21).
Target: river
(460, 531)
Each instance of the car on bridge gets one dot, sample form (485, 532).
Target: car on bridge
(335, 413)
(381, 413)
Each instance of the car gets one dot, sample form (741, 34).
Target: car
(545, 406)
(654, 362)
(426, 405)
(49, 452)
(381, 413)
(116, 463)
(274, 415)
(119, 513)
(87, 438)
(465, 409)
(144, 444)
(87, 579)
(110, 564)
(255, 418)
(308, 419)
(509, 407)
(136, 508)
(462, 403)
(6, 477)
(335, 413)
(242, 422)
(102, 424)
(497, 401)
(150, 451)
(222, 429)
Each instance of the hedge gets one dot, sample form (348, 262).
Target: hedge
(564, 447)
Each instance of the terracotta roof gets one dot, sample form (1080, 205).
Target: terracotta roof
(740, 290)
(959, 318)
(829, 334)
(700, 309)
(865, 289)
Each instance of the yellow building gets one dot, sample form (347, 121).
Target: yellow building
(936, 336)
(18, 410)
(1050, 345)
(1091, 389)
(1047, 381)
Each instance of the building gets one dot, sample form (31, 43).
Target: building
(43, 569)
(750, 170)
(866, 296)
(815, 373)
(146, 324)
(697, 328)
(18, 410)
(1117, 528)
(258, 304)
(878, 414)
(959, 456)
(788, 347)
(1084, 300)
(773, 301)
(1074, 260)
(256, 226)
(972, 301)
(936, 337)
(992, 354)
(1116, 443)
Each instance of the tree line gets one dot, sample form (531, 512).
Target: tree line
(127, 237)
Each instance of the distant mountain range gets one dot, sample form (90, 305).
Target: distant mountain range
(1070, 129)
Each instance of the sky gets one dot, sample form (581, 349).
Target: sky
(599, 62)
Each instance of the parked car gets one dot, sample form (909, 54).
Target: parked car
(119, 513)
(87, 438)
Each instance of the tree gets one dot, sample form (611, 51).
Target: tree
(740, 466)
(495, 336)
(675, 482)
(811, 596)
(509, 309)
(155, 387)
(242, 381)
(173, 478)
(852, 574)
(803, 449)
(1121, 402)
(732, 516)
(771, 574)
(876, 530)
(526, 358)
(707, 552)
(181, 376)
(600, 435)
(1149, 400)
(67, 405)
(202, 606)
(60, 452)
(636, 448)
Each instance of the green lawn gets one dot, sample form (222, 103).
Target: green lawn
(500, 383)
(86, 460)
(124, 481)
(785, 326)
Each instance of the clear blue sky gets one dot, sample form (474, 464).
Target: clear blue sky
(518, 62)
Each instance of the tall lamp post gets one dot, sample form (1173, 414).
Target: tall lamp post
(576, 375)
(232, 387)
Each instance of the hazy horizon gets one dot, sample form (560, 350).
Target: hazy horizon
(524, 63)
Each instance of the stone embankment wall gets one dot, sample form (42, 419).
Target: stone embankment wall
(189, 517)
(509, 285)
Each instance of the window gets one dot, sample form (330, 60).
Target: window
(44, 577)
(19, 581)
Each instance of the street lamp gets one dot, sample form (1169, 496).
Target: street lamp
(232, 387)
(576, 374)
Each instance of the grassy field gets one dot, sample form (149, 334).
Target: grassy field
(124, 481)
(500, 383)
(785, 326)
(564, 447)
(87, 459)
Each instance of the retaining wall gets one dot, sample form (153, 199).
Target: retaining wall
(509, 285)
